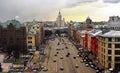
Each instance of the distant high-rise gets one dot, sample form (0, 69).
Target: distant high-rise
(60, 21)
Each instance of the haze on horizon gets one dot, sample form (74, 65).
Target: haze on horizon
(47, 10)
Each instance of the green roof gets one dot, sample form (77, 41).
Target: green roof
(16, 23)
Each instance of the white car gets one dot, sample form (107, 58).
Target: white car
(76, 66)
(45, 69)
(81, 61)
(77, 55)
(86, 65)
(61, 57)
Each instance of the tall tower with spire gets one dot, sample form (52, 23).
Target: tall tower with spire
(59, 21)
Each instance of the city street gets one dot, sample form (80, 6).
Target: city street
(57, 59)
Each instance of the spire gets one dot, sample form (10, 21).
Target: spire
(59, 12)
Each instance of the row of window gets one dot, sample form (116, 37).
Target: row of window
(34, 27)
(116, 58)
(117, 52)
(29, 41)
(117, 39)
(29, 37)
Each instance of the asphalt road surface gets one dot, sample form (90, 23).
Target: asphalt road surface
(67, 63)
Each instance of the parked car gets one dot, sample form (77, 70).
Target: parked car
(86, 65)
(45, 69)
(81, 61)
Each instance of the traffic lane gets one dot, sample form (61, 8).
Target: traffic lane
(66, 62)
(83, 68)
(69, 65)
(48, 59)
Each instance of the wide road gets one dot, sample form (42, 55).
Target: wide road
(68, 63)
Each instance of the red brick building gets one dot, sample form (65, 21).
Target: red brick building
(94, 41)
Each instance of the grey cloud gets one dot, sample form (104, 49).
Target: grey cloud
(112, 1)
(77, 2)
(28, 9)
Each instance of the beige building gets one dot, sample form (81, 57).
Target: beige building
(31, 39)
(35, 27)
(109, 49)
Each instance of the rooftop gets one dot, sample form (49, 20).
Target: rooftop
(16, 23)
(95, 32)
(111, 33)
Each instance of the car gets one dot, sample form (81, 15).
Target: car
(45, 69)
(66, 47)
(92, 66)
(84, 60)
(55, 55)
(97, 71)
(76, 66)
(90, 63)
(54, 60)
(35, 69)
(68, 53)
(81, 61)
(74, 57)
(77, 55)
(42, 67)
(86, 65)
(58, 43)
(61, 68)
(61, 57)
(57, 52)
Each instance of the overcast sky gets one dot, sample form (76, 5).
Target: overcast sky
(76, 10)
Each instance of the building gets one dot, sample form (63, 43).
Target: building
(31, 39)
(36, 27)
(114, 23)
(94, 41)
(13, 36)
(60, 22)
(109, 49)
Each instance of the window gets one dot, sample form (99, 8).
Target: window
(109, 39)
(117, 52)
(109, 58)
(29, 41)
(117, 58)
(109, 45)
(117, 39)
(109, 65)
(117, 45)
(109, 51)
(117, 65)
(29, 37)
(104, 50)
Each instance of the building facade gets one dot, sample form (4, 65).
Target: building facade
(109, 49)
(13, 36)
(31, 39)
(94, 41)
